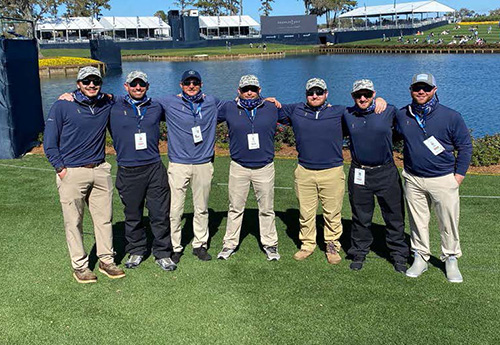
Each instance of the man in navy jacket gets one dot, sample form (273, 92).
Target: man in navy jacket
(432, 173)
(74, 141)
(373, 173)
(251, 123)
(141, 178)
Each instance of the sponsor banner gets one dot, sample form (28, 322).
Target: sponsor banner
(273, 25)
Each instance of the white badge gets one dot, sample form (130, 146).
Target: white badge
(434, 145)
(359, 176)
(253, 141)
(197, 137)
(141, 141)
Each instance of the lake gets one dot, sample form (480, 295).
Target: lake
(466, 82)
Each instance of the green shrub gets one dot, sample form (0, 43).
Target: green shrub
(486, 150)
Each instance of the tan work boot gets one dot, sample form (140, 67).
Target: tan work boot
(302, 254)
(85, 276)
(111, 270)
(332, 255)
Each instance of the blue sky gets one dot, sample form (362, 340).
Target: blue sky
(280, 7)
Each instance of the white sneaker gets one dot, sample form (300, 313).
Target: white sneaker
(419, 266)
(452, 272)
(225, 253)
(272, 253)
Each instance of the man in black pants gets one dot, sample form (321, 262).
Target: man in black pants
(373, 173)
(142, 177)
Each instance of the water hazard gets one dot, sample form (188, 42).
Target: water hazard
(466, 83)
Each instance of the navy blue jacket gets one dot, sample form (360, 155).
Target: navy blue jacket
(180, 120)
(370, 135)
(240, 125)
(318, 135)
(75, 133)
(449, 128)
(124, 123)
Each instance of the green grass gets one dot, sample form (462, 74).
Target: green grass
(237, 49)
(493, 37)
(245, 300)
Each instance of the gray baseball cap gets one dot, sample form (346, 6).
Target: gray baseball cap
(136, 75)
(362, 84)
(249, 80)
(316, 82)
(84, 72)
(425, 78)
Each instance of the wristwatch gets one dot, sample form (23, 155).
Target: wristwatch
(58, 170)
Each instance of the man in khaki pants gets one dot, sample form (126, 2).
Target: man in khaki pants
(319, 176)
(252, 124)
(74, 141)
(432, 133)
(191, 119)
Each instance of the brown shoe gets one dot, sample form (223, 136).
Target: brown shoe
(332, 255)
(111, 270)
(302, 254)
(85, 276)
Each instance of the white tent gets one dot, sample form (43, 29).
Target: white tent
(136, 27)
(402, 8)
(227, 25)
(66, 28)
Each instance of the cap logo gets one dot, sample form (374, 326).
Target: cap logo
(191, 72)
(422, 77)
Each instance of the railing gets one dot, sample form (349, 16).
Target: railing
(406, 25)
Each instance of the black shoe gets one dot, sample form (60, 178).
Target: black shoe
(357, 264)
(176, 257)
(202, 254)
(400, 267)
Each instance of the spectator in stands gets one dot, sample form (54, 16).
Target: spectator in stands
(432, 134)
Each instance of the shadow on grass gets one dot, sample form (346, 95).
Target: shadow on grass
(379, 246)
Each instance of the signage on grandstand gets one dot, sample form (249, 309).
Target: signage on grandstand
(276, 25)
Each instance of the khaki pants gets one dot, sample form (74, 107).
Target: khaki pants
(94, 187)
(262, 180)
(327, 186)
(179, 177)
(442, 192)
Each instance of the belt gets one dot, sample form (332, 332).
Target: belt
(91, 165)
(370, 167)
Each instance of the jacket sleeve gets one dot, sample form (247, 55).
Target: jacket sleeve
(285, 112)
(463, 145)
(52, 136)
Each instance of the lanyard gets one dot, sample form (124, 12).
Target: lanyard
(139, 116)
(251, 115)
(195, 112)
(420, 121)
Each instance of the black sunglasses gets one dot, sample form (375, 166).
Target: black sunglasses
(318, 92)
(195, 82)
(96, 82)
(249, 88)
(418, 87)
(365, 93)
(139, 82)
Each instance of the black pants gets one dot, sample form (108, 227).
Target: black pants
(383, 182)
(147, 184)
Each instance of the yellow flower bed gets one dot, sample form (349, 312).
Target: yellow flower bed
(478, 23)
(65, 61)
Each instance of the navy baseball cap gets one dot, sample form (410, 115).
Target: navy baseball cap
(190, 74)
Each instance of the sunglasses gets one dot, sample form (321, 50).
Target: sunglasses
(96, 82)
(195, 82)
(139, 82)
(249, 88)
(425, 87)
(318, 92)
(366, 94)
